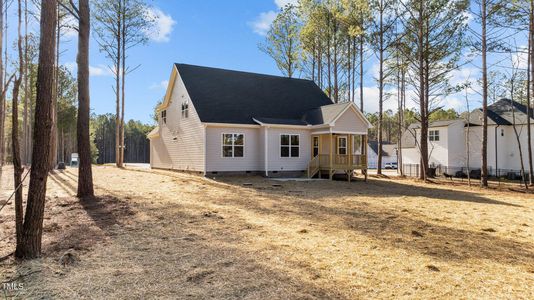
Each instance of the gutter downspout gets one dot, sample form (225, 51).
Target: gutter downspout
(205, 149)
(266, 147)
(496, 150)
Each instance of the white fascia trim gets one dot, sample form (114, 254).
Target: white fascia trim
(207, 124)
(281, 125)
(339, 132)
(291, 126)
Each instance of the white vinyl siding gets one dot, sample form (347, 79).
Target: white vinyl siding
(159, 156)
(181, 138)
(350, 122)
(278, 163)
(251, 160)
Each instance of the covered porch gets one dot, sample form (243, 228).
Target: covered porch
(338, 153)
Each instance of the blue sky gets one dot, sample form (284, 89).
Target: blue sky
(212, 33)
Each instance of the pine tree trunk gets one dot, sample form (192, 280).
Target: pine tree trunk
(484, 179)
(422, 88)
(53, 137)
(85, 173)
(117, 93)
(349, 74)
(380, 91)
(2, 98)
(27, 98)
(123, 91)
(530, 94)
(17, 162)
(30, 246)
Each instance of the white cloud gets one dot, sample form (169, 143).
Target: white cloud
(100, 70)
(163, 25)
(160, 85)
(282, 3)
(371, 96)
(263, 22)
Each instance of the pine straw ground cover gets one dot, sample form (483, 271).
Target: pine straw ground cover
(158, 234)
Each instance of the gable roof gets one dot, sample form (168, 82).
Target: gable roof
(225, 96)
(443, 123)
(500, 113)
(388, 149)
(325, 114)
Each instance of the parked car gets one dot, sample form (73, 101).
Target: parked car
(391, 166)
(74, 160)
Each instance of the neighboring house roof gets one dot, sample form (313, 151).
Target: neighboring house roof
(388, 149)
(502, 113)
(444, 123)
(225, 96)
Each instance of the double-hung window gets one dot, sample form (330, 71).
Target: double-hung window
(185, 109)
(233, 144)
(289, 145)
(433, 135)
(342, 145)
(164, 116)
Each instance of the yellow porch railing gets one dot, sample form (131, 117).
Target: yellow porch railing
(339, 162)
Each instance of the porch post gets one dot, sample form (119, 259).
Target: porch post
(364, 158)
(349, 160)
(331, 156)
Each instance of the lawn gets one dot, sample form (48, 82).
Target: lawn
(159, 234)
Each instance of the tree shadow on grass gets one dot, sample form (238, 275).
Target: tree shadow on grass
(372, 188)
(179, 253)
(99, 215)
(390, 226)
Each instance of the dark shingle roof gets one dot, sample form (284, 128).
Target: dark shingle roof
(500, 113)
(224, 96)
(386, 148)
(443, 123)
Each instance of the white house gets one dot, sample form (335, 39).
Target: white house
(389, 154)
(450, 140)
(215, 121)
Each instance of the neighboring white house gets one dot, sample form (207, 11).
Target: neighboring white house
(215, 121)
(389, 154)
(449, 140)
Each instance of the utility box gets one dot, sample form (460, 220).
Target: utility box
(74, 160)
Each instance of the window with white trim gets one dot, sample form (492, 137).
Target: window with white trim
(185, 109)
(164, 116)
(233, 145)
(342, 145)
(289, 145)
(433, 135)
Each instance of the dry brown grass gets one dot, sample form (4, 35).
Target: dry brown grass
(158, 234)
